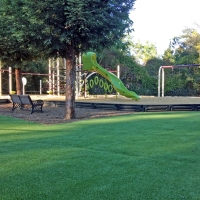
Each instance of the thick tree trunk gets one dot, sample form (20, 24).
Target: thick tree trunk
(18, 77)
(70, 84)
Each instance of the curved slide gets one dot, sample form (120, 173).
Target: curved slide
(90, 64)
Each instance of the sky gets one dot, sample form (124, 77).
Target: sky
(158, 21)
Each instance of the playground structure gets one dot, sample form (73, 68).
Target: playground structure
(56, 77)
(8, 82)
(90, 64)
(161, 76)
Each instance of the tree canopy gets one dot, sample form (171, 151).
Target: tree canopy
(186, 48)
(61, 28)
(52, 26)
(144, 52)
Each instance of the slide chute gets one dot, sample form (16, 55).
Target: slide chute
(90, 64)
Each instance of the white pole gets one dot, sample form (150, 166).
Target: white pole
(118, 76)
(163, 82)
(58, 77)
(79, 74)
(50, 80)
(10, 79)
(53, 82)
(0, 80)
(40, 87)
(159, 71)
(23, 89)
(24, 82)
(118, 71)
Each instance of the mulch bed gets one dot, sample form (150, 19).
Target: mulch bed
(54, 115)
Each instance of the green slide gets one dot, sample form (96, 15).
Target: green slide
(90, 64)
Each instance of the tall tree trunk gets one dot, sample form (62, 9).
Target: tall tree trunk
(70, 83)
(18, 77)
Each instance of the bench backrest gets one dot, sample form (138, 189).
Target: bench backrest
(15, 98)
(25, 99)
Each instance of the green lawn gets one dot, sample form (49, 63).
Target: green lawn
(138, 156)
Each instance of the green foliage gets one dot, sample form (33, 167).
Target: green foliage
(144, 52)
(168, 57)
(15, 38)
(111, 57)
(152, 66)
(51, 26)
(60, 28)
(184, 50)
(186, 47)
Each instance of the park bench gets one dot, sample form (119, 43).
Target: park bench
(19, 101)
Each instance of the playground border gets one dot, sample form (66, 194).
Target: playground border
(146, 104)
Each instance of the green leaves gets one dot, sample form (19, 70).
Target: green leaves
(144, 52)
(49, 25)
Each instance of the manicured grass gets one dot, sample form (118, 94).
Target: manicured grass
(139, 156)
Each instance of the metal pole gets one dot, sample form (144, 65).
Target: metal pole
(85, 87)
(0, 80)
(10, 79)
(118, 76)
(53, 82)
(50, 80)
(58, 77)
(23, 89)
(79, 75)
(118, 71)
(40, 87)
(76, 82)
(24, 82)
(163, 82)
(159, 80)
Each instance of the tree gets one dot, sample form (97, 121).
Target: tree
(14, 45)
(186, 48)
(66, 27)
(168, 57)
(144, 52)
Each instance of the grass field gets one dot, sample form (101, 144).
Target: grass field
(138, 156)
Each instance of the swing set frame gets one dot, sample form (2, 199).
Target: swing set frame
(161, 76)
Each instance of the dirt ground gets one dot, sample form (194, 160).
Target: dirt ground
(53, 114)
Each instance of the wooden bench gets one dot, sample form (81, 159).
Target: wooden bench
(19, 101)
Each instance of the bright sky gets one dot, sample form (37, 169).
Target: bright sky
(158, 21)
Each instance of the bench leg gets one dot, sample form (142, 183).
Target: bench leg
(34, 108)
(16, 105)
(41, 108)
